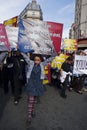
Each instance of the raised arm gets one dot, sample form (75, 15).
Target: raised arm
(2, 56)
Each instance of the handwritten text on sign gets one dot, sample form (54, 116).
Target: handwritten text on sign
(80, 65)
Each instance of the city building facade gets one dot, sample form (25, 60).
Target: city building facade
(72, 31)
(81, 23)
(32, 10)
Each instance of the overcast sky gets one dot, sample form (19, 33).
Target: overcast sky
(61, 11)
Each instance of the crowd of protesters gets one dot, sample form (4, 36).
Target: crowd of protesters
(18, 70)
(12, 71)
(64, 77)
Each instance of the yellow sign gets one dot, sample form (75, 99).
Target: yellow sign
(46, 72)
(69, 44)
(58, 61)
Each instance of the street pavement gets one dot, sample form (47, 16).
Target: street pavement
(53, 112)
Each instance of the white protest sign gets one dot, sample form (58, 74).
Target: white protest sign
(38, 34)
(80, 65)
(12, 33)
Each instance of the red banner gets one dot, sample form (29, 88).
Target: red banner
(4, 44)
(55, 30)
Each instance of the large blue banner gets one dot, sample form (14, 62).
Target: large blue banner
(23, 42)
